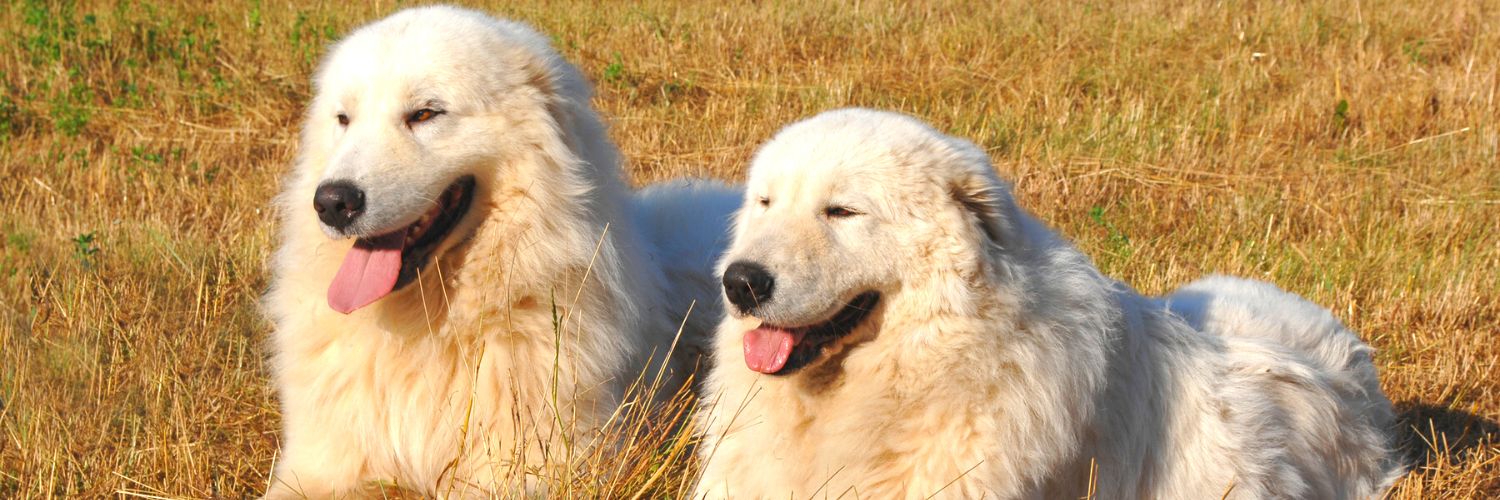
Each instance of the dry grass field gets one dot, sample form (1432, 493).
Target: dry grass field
(1347, 150)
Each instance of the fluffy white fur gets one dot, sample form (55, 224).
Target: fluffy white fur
(999, 362)
(521, 334)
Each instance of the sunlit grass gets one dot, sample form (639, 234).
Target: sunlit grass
(1348, 151)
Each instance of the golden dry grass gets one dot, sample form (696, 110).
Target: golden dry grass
(1346, 150)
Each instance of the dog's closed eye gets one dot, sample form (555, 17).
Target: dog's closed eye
(839, 212)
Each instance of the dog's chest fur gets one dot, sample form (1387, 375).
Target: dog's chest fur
(897, 421)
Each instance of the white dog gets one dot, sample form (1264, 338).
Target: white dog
(907, 330)
(465, 286)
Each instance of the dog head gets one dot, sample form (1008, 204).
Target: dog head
(414, 118)
(848, 213)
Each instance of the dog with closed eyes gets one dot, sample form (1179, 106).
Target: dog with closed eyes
(465, 287)
(900, 328)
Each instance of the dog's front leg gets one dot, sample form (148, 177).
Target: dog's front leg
(317, 461)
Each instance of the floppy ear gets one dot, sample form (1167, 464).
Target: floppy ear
(565, 96)
(988, 203)
(542, 79)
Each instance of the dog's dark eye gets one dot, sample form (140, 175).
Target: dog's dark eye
(765, 202)
(343, 120)
(837, 212)
(422, 115)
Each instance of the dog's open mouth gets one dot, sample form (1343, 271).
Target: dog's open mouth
(379, 265)
(778, 350)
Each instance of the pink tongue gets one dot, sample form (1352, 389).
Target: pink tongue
(368, 273)
(767, 349)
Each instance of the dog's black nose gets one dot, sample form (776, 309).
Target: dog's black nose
(338, 203)
(747, 285)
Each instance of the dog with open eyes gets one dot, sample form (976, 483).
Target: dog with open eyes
(465, 288)
(900, 328)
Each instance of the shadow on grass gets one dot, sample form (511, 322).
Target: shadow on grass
(1429, 432)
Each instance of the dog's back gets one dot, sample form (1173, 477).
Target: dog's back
(685, 222)
(1319, 374)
